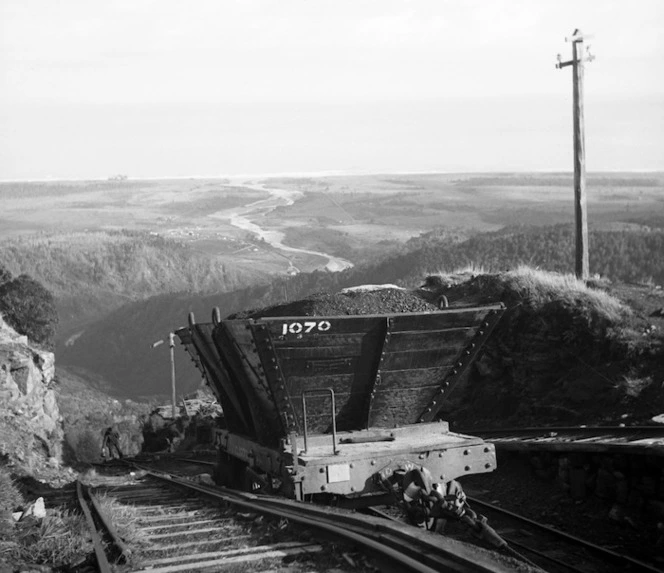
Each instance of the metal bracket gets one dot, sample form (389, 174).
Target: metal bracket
(273, 375)
(466, 359)
(377, 380)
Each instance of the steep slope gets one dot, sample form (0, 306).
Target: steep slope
(118, 348)
(91, 273)
(30, 422)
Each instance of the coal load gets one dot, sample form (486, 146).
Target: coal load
(353, 302)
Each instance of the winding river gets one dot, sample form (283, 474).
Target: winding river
(245, 218)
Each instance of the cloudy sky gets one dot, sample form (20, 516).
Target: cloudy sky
(148, 88)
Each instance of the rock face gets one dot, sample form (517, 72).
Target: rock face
(30, 422)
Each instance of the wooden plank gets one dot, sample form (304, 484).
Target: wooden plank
(452, 318)
(430, 339)
(414, 360)
(352, 365)
(249, 554)
(318, 351)
(394, 381)
(390, 409)
(320, 340)
(284, 329)
(342, 384)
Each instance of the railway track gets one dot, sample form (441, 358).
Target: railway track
(647, 440)
(188, 526)
(554, 550)
(191, 526)
(546, 548)
(182, 531)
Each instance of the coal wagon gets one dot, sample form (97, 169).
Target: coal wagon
(337, 405)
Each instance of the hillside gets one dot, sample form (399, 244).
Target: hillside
(118, 348)
(91, 273)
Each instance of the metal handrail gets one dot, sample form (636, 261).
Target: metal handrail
(312, 394)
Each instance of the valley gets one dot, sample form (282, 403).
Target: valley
(127, 260)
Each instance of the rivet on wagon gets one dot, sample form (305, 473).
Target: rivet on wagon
(373, 462)
(481, 332)
(351, 466)
(322, 470)
(421, 456)
(433, 402)
(466, 452)
(486, 450)
(352, 488)
(487, 465)
(467, 468)
(440, 454)
(323, 488)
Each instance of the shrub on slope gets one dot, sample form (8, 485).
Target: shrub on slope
(28, 308)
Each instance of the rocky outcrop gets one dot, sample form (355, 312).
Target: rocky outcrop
(30, 422)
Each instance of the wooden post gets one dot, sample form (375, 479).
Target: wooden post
(171, 343)
(580, 211)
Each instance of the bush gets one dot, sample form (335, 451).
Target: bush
(30, 309)
(83, 444)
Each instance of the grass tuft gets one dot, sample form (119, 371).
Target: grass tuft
(59, 540)
(539, 287)
(10, 500)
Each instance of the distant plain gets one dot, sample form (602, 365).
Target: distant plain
(350, 216)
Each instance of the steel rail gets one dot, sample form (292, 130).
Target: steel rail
(654, 431)
(125, 551)
(607, 553)
(386, 541)
(100, 554)
(506, 548)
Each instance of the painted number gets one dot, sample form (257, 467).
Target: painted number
(305, 327)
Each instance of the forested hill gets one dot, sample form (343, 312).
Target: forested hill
(629, 255)
(92, 273)
(626, 256)
(118, 347)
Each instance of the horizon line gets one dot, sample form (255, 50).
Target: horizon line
(324, 173)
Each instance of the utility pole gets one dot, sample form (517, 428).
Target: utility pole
(171, 344)
(580, 211)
